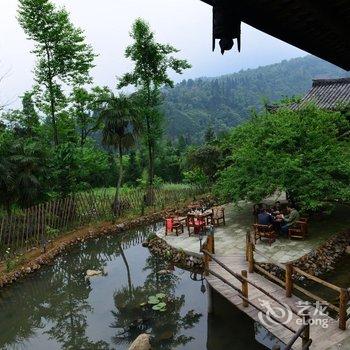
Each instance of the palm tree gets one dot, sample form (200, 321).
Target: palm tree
(120, 131)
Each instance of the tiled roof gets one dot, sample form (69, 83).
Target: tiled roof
(327, 93)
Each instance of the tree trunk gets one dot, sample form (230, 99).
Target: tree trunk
(150, 190)
(82, 138)
(53, 116)
(116, 204)
(8, 208)
(52, 98)
(127, 267)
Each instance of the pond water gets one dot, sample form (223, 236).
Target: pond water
(58, 308)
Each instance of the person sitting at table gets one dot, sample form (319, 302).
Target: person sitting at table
(276, 209)
(264, 218)
(289, 220)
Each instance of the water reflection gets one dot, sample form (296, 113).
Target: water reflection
(57, 308)
(133, 315)
(54, 306)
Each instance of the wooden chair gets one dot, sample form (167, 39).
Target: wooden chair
(197, 224)
(264, 232)
(172, 224)
(218, 215)
(306, 220)
(299, 230)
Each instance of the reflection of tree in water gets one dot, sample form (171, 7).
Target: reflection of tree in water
(59, 297)
(67, 307)
(14, 329)
(134, 316)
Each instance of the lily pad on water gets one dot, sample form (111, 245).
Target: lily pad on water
(159, 307)
(153, 300)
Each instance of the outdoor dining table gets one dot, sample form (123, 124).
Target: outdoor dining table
(206, 216)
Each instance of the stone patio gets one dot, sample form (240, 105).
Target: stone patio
(230, 239)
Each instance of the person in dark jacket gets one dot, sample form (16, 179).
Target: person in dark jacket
(264, 218)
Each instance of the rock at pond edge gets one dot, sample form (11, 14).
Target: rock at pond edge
(142, 342)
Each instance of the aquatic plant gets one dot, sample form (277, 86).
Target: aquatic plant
(158, 302)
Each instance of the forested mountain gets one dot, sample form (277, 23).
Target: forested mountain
(222, 102)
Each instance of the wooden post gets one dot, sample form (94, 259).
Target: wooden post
(245, 288)
(343, 300)
(247, 241)
(210, 245)
(289, 280)
(213, 242)
(2, 225)
(251, 257)
(306, 333)
(206, 264)
(210, 298)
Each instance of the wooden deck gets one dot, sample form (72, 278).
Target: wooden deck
(322, 338)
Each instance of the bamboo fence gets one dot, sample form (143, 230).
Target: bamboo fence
(35, 226)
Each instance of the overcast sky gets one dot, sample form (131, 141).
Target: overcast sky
(186, 24)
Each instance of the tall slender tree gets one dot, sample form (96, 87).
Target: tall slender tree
(152, 61)
(84, 109)
(120, 130)
(62, 56)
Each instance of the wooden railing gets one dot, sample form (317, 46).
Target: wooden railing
(303, 332)
(289, 284)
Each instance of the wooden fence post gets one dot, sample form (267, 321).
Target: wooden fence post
(247, 241)
(206, 264)
(210, 298)
(210, 244)
(306, 333)
(245, 288)
(251, 258)
(289, 280)
(343, 300)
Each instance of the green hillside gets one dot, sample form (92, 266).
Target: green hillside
(226, 101)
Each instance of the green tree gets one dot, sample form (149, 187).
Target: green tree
(64, 169)
(133, 171)
(168, 163)
(305, 153)
(31, 117)
(207, 158)
(25, 121)
(152, 61)
(120, 130)
(85, 109)
(209, 135)
(62, 55)
(23, 164)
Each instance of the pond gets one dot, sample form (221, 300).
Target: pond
(58, 308)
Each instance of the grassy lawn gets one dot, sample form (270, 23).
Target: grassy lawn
(124, 190)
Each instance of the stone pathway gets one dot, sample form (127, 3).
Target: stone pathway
(230, 239)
